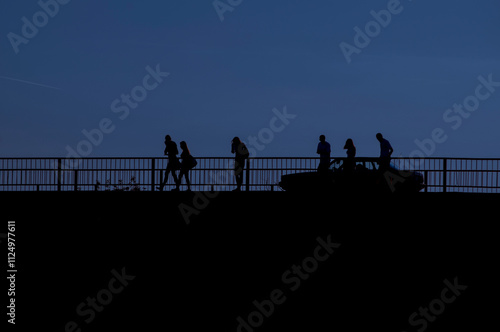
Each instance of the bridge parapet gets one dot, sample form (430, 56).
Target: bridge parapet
(216, 173)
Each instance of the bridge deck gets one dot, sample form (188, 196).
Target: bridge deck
(236, 248)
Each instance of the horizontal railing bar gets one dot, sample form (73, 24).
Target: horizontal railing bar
(222, 169)
(252, 158)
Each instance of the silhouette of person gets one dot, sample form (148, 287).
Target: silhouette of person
(386, 151)
(173, 162)
(240, 155)
(349, 164)
(324, 150)
(188, 162)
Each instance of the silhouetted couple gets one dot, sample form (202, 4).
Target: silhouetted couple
(188, 162)
(324, 149)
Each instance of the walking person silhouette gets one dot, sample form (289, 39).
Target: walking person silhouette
(173, 162)
(188, 162)
(240, 155)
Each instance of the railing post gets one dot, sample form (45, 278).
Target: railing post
(161, 178)
(59, 175)
(153, 171)
(426, 177)
(75, 185)
(445, 177)
(247, 175)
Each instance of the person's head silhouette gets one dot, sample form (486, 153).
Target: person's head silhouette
(236, 140)
(168, 138)
(184, 146)
(379, 137)
(349, 144)
(322, 138)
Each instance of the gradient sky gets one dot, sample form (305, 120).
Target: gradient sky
(226, 77)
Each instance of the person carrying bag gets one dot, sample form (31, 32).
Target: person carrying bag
(188, 163)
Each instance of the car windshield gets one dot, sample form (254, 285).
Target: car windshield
(369, 165)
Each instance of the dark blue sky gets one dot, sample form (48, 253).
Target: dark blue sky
(226, 77)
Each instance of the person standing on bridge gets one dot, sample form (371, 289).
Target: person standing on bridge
(188, 162)
(386, 151)
(240, 155)
(349, 164)
(173, 162)
(324, 150)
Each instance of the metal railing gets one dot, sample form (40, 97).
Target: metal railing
(216, 173)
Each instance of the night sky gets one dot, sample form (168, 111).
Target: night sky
(112, 78)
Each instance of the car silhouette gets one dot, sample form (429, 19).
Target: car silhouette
(365, 177)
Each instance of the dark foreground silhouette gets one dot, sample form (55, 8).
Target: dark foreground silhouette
(253, 262)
